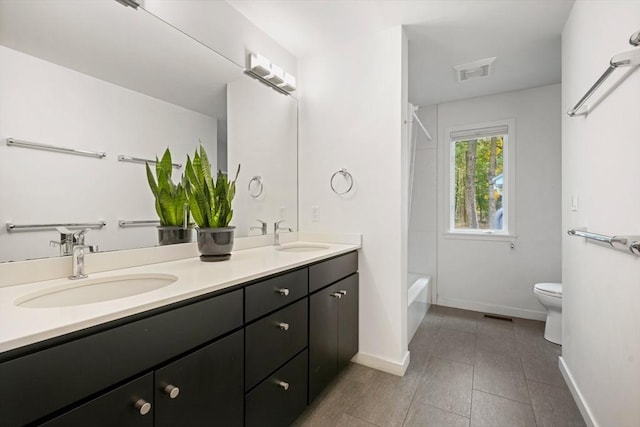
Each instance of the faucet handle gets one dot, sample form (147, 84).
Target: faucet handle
(78, 236)
(264, 223)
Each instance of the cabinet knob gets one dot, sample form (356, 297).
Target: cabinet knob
(171, 390)
(143, 406)
(283, 326)
(284, 292)
(342, 292)
(337, 295)
(284, 385)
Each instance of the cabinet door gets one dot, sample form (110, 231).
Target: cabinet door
(323, 339)
(347, 320)
(210, 384)
(115, 408)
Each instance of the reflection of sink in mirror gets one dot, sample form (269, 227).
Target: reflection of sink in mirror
(302, 247)
(95, 290)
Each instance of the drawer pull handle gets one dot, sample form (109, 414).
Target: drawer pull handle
(283, 326)
(143, 406)
(284, 292)
(337, 295)
(284, 385)
(343, 292)
(172, 391)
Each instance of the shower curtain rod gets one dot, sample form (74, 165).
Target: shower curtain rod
(415, 116)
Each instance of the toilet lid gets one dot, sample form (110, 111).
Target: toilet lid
(550, 288)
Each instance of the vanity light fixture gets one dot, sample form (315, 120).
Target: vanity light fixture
(270, 74)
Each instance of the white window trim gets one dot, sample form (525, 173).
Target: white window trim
(509, 193)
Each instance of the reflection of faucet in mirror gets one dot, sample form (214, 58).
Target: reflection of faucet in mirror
(262, 228)
(66, 242)
(276, 230)
(78, 254)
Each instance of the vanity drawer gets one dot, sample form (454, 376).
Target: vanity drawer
(273, 340)
(271, 294)
(281, 398)
(63, 374)
(327, 272)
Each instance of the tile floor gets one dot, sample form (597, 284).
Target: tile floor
(466, 370)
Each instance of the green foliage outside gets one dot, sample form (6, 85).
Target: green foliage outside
(485, 198)
(171, 199)
(209, 200)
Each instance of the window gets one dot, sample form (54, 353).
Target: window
(480, 186)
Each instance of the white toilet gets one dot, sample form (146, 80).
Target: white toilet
(550, 295)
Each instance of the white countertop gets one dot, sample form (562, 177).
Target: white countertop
(20, 326)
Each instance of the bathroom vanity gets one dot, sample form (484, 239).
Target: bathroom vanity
(252, 351)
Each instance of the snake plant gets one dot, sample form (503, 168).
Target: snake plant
(171, 198)
(209, 200)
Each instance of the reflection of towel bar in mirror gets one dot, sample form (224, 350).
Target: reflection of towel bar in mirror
(138, 223)
(36, 227)
(256, 186)
(11, 142)
(123, 158)
(347, 177)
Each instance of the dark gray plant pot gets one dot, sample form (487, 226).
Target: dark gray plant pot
(215, 244)
(170, 235)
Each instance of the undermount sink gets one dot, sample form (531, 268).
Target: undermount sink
(95, 290)
(302, 247)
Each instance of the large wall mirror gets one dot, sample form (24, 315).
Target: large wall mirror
(98, 77)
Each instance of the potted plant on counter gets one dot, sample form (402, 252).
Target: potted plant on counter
(210, 203)
(171, 203)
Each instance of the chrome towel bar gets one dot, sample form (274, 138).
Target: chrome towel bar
(36, 227)
(123, 158)
(11, 142)
(630, 58)
(627, 244)
(138, 223)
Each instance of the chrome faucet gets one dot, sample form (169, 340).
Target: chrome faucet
(77, 254)
(276, 232)
(262, 228)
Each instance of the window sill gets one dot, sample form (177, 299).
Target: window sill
(470, 235)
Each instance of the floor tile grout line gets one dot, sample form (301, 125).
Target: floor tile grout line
(415, 392)
(560, 387)
(502, 397)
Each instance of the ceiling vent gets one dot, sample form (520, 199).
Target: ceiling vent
(474, 70)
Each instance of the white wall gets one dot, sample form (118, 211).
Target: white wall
(50, 104)
(264, 131)
(423, 224)
(601, 164)
(351, 112)
(221, 27)
(485, 274)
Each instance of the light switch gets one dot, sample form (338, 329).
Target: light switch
(574, 202)
(315, 213)
(283, 213)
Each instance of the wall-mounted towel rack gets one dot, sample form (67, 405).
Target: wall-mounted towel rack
(138, 223)
(12, 142)
(627, 244)
(630, 58)
(38, 227)
(123, 158)
(256, 186)
(348, 179)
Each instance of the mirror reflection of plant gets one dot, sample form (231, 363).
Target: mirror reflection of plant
(171, 198)
(209, 200)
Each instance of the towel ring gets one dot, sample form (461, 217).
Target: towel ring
(256, 186)
(347, 176)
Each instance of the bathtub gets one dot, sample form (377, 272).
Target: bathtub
(418, 300)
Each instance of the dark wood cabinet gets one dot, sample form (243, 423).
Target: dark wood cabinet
(202, 387)
(333, 332)
(253, 355)
(115, 408)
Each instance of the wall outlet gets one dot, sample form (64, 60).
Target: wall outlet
(283, 213)
(315, 213)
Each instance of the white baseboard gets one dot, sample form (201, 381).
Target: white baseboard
(585, 411)
(381, 364)
(492, 308)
